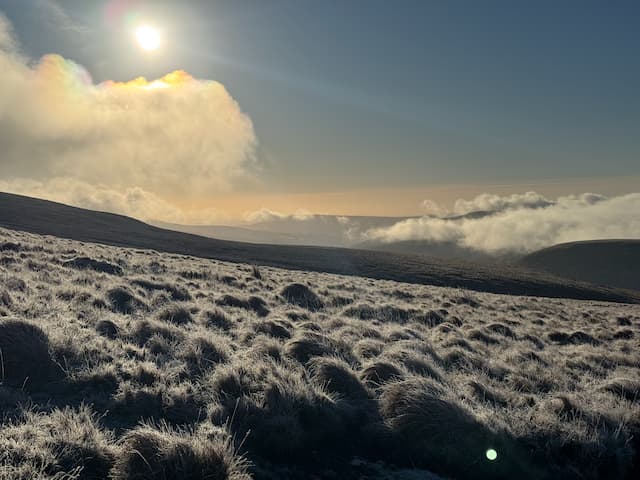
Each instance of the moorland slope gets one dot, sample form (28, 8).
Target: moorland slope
(134, 364)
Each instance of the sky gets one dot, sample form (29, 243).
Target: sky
(342, 107)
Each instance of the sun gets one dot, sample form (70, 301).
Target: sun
(148, 37)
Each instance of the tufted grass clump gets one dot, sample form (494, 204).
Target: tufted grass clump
(163, 452)
(302, 296)
(25, 357)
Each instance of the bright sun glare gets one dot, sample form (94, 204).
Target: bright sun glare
(148, 38)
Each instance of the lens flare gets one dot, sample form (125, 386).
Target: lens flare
(148, 38)
(491, 454)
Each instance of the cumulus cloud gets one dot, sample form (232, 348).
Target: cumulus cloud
(524, 223)
(432, 208)
(175, 137)
(265, 215)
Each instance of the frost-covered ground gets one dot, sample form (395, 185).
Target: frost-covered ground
(126, 364)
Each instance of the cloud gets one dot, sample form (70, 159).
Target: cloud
(265, 215)
(133, 201)
(487, 203)
(524, 223)
(495, 203)
(175, 138)
(432, 208)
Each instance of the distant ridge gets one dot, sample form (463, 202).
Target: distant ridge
(612, 263)
(49, 218)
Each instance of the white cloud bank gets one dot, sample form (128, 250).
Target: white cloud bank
(487, 202)
(173, 138)
(265, 215)
(523, 223)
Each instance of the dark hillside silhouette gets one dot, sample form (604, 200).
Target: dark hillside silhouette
(612, 263)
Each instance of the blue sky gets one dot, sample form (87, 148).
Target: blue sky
(348, 95)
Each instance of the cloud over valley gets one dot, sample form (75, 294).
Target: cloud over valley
(521, 223)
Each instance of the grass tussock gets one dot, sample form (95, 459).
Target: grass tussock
(162, 452)
(302, 296)
(86, 263)
(202, 353)
(255, 304)
(122, 300)
(107, 329)
(67, 443)
(378, 373)
(431, 428)
(25, 358)
(276, 329)
(177, 293)
(145, 330)
(176, 314)
(217, 319)
(625, 388)
(337, 377)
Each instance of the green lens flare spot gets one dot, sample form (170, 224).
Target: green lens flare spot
(491, 454)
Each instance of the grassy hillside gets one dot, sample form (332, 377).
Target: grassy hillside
(49, 218)
(444, 250)
(133, 364)
(611, 263)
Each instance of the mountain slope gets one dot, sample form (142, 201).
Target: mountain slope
(117, 361)
(425, 247)
(50, 218)
(612, 263)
